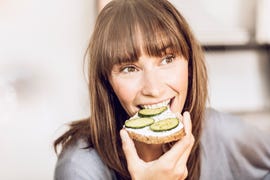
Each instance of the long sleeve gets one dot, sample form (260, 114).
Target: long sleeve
(250, 151)
(234, 149)
(78, 163)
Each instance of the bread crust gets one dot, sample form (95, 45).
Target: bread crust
(155, 139)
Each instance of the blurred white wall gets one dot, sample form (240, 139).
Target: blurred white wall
(219, 21)
(42, 86)
(239, 81)
(262, 21)
(239, 78)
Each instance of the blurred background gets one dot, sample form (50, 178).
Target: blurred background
(43, 87)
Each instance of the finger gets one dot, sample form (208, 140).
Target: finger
(174, 154)
(189, 136)
(184, 158)
(185, 174)
(181, 166)
(177, 150)
(179, 116)
(185, 119)
(128, 148)
(187, 123)
(182, 170)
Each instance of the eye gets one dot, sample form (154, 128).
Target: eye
(168, 59)
(128, 69)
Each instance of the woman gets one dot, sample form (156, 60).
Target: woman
(142, 52)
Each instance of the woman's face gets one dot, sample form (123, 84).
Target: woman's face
(151, 82)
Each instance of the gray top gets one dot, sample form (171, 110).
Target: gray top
(231, 149)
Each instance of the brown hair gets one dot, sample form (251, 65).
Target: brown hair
(114, 41)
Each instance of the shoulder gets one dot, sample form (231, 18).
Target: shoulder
(234, 147)
(231, 128)
(78, 162)
(222, 124)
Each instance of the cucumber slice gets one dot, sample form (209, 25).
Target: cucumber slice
(151, 112)
(138, 123)
(164, 125)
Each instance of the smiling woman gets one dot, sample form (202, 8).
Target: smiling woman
(143, 56)
(150, 82)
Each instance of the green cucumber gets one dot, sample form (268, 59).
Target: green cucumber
(137, 123)
(164, 125)
(151, 112)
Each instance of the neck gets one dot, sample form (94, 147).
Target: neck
(148, 152)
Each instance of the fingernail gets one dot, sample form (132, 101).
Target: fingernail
(186, 114)
(123, 135)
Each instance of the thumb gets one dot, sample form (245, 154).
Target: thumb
(187, 123)
(129, 148)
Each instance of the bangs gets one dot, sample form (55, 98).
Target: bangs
(136, 29)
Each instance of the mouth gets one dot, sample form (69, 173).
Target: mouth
(156, 105)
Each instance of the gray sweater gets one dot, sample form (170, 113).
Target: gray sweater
(231, 150)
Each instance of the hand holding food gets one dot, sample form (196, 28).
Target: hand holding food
(171, 165)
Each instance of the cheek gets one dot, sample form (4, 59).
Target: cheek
(179, 84)
(125, 90)
(179, 78)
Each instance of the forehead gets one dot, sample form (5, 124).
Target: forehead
(130, 29)
(132, 40)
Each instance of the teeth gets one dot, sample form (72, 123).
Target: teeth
(154, 106)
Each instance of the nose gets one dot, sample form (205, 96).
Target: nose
(151, 84)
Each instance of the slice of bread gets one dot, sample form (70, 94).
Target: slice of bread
(149, 136)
